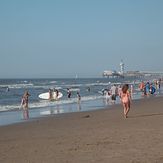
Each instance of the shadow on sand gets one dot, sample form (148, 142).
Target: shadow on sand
(146, 115)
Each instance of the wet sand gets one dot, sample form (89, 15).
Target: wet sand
(88, 137)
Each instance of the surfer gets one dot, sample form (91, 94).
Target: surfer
(24, 104)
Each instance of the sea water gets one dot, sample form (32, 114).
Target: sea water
(11, 91)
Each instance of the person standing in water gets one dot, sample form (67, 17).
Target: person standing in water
(79, 100)
(24, 105)
(50, 94)
(68, 93)
(7, 89)
(78, 96)
(57, 93)
(125, 97)
(114, 92)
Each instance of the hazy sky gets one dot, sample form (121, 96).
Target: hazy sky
(62, 38)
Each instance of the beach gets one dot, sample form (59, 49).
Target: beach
(88, 137)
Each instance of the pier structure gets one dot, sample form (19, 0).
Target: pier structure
(122, 73)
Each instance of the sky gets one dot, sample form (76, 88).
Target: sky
(65, 38)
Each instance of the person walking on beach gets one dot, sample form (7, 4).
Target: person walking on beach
(24, 104)
(125, 97)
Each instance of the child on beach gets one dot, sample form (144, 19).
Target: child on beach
(125, 97)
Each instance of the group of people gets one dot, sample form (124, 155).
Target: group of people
(124, 92)
(69, 94)
(149, 88)
(124, 95)
(52, 93)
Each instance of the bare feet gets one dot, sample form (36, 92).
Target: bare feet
(125, 116)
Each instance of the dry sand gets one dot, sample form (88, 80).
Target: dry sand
(88, 137)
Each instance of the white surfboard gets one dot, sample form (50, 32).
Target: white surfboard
(45, 96)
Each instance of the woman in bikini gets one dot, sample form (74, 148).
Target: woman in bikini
(125, 99)
(24, 105)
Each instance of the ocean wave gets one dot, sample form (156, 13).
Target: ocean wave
(17, 86)
(46, 103)
(20, 86)
(53, 82)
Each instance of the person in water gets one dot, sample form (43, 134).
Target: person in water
(50, 94)
(57, 93)
(7, 89)
(78, 96)
(114, 92)
(68, 93)
(88, 89)
(24, 104)
(152, 89)
(125, 97)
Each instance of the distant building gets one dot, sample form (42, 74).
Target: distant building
(122, 73)
(114, 73)
(111, 74)
(133, 74)
(122, 65)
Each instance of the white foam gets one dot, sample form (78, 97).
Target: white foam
(74, 89)
(53, 82)
(46, 103)
(9, 107)
(18, 86)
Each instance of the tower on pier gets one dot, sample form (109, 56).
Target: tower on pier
(122, 65)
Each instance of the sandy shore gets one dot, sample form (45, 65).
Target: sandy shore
(88, 137)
